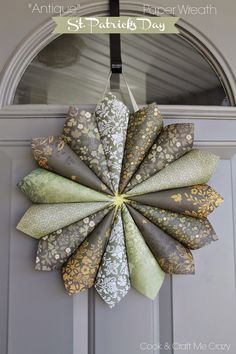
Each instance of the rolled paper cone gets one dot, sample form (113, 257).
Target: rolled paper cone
(42, 186)
(146, 275)
(197, 201)
(195, 167)
(79, 272)
(171, 255)
(54, 154)
(143, 129)
(42, 219)
(172, 143)
(112, 281)
(82, 135)
(54, 249)
(112, 118)
(193, 233)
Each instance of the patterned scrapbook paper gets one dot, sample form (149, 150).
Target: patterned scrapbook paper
(54, 154)
(42, 186)
(143, 128)
(197, 201)
(82, 135)
(171, 255)
(54, 249)
(173, 142)
(193, 233)
(112, 281)
(79, 272)
(42, 219)
(112, 117)
(195, 167)
(146, 275)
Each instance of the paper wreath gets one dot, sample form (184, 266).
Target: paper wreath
(119, 200)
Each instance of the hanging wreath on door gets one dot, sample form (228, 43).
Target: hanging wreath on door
(119, 200)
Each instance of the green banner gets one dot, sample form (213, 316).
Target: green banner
(123, 24)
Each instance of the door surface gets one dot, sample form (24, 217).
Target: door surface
(38, 317)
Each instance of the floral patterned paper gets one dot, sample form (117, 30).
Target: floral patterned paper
(172, 257)
(145, 273)
(80, 270)
(42, 219)
(112, 282)
(54, 154)
(55, 248)
(112, 117)
(173, 142)
(42, 186)
(193, 233)
(144, 126)
(195, 167)
(82, 135)
(197, 201)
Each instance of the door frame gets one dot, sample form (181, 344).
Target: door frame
(215, 127)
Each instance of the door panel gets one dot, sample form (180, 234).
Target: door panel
(205, 303)
(124, 329)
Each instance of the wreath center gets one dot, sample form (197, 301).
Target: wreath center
(119, 199)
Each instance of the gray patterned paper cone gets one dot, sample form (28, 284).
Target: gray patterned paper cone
(82, 135)
(112, 117)
(54, 249)
(112, 281)
(79, 272)
(193, 233)
(54, 154)
(144, 126)
(172, 257)
(197, 201)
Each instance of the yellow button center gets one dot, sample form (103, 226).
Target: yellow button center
(119, 199)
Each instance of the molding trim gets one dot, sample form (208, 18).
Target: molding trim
(33, 44)
(5, 240)
(233, 174)
(80, 323)
(215, 126)
(168, 112)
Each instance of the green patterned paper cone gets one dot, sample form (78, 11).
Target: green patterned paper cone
(42, 186)
(195, 167)
(40, 220)
(146, 276)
